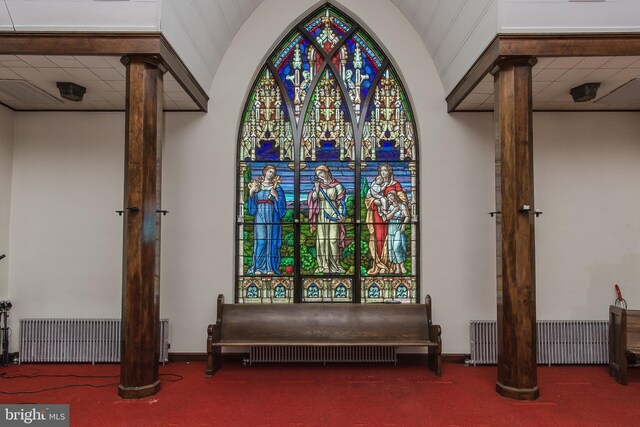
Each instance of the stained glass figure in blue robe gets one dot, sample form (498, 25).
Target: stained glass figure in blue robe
(268, 205)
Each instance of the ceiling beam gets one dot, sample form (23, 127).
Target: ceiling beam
(106, 44)
(542, 45)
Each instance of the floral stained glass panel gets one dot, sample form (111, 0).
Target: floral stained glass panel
(388, 132)
(297, 62)
(358, 62)
(266, 132)
(327, 133)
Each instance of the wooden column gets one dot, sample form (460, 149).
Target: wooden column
(517, 370)
(141, 244)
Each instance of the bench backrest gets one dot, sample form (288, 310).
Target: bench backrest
(320, 323)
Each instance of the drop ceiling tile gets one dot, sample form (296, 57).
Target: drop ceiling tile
(108, 74)
(16, 63)
(6, 73)
(37, 61)
(98, 86)
(620, 62)
(170, 85)
(564, 63)
(93, 61)
(65, 61)
(474, 98)
(549, 75)
(29, 73)
(539, 86)
(57, 75)
(576, 76)
(601, 75)
(593, 61)
(543, 62)
(118, 85)
(8, 58)
(556, 105)
(635, 64)
(81, 74)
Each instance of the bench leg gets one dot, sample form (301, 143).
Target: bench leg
(214, 361)
(434, 362)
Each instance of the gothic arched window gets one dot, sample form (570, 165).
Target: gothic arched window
(328, 176)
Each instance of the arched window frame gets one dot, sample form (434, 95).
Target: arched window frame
(296, 282)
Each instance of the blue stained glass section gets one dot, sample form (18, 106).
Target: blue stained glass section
(280, 292)
(374, 291)
(327, 151)
(341, 291)
(401, 292)
(252, 291)
(313, 292)
(268, 151)
(297, 65)
(388, 150)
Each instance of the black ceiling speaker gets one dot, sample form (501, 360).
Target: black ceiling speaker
(71, 91)
(585, 92)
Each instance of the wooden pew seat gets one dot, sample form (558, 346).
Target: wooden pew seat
(323, 325)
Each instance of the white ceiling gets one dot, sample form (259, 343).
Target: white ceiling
(103, 77)
(553, 78)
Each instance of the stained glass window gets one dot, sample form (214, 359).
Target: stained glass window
(327, 199)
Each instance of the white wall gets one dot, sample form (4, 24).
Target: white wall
(556, 16)
(79, 15)
(68, 180)
(6, 169)
(588, 239)
(66, 239)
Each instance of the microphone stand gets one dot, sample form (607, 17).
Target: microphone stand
(5, 339)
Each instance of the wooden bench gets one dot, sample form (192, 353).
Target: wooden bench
(624, 341)
(313, 327)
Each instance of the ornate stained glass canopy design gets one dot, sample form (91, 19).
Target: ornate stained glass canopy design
(327, 172)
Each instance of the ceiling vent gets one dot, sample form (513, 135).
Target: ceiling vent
(628, 93)
(25, 92)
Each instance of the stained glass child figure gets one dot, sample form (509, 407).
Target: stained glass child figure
(398, 216)
(376, 192)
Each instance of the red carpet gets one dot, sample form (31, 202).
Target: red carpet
(343, 395)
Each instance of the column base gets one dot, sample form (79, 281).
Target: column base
(138, 392)
(517, 393)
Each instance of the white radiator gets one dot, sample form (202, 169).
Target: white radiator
(78, 340)
(323, 354)
(559, 342)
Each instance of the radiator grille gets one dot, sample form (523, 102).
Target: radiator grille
(559, 342)
(78, 340)
(322, 354)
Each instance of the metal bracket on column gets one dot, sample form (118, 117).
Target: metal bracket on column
(537, 213)
(119, 213)
(525, 209)
(164, 213)
(494, 213)
(133, 209)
